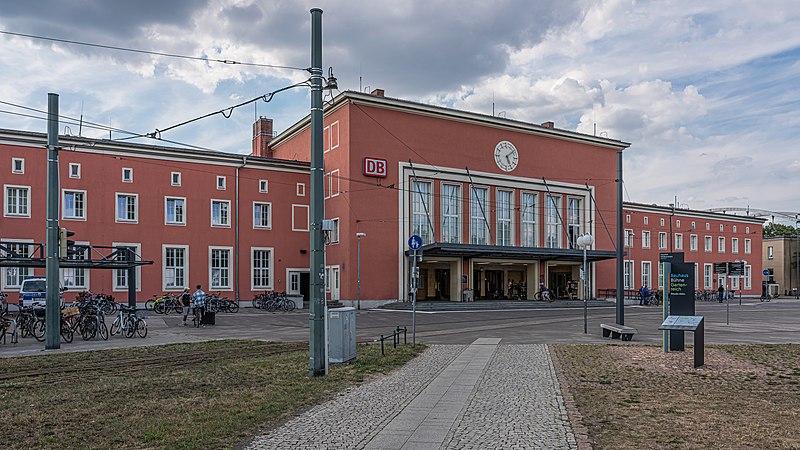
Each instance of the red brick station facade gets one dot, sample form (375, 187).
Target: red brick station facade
(499, 204)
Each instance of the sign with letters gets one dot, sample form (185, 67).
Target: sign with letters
(375, 167)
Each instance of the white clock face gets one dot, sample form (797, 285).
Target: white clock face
(506, 156)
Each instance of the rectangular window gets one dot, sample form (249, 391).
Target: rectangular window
(696, 275)
(17, 165)
(707, 244)
(677, 223)
(645, 239)
(627, 218)
(300, 217)
(175, 178)
(74, 205)
(262, 215)
(552, 237)
(528, 217)
(734, 245)
(646, 274)
(721, 227)
(121, 275)
(13, 276)
(707, 276)
(335, 231)
(770, 252)
(503, 209)
(693, 242)
(679, 241)
(175, 267)
(479, 227)
(17, 203)
(263, 186)
(219, 264)
(76, 279)
(74, 170)
(175, 210)
(748, 271)
(628, 274)
(694, 226)
(747, 230)
(451, 213)
(660, 280)
(301, 189)
(127, 175)
(331, 182)
(662, 222)
(662, 240)
(734, 283)
(221, 183)
(574, 221)
(721, 244)
(747, 246)
(261, 268)
(734, 228)
(127, 208)
(420, 210)
(628, 238)
(220, 213)
(708, 226)
(645, 220)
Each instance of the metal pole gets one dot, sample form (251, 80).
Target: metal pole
(316, 365)
(414, 300)
(52, 307)
(667, 267)
(585, 295)
(620, 240)
(727, 303)
(359, 273)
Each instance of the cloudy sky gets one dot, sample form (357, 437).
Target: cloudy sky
(708, 92)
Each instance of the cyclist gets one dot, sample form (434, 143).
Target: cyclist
(199, 302)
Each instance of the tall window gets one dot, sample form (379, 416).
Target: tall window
(451, 217)
(335, 231)
(175, 268)
(645, 239)
(707, 276)
(574, 221)
(646, 274)
(628, 274)
(13, 276)
(707, 243)
(747, 245)
(175, 211)
(734, 245)
(479, 228)
(220, 213)
(121, 275)
(17, 201)
(770, 252)
(660, 280)
(693, 242)
(504, 235)
(262, 215)
(721, 244)
(528, 215)
(74, 205)
(748, 271)
(261, 268)
(662, 241)
(552, 238)
(679, 241)
(72, 278)
(628, 238)
(420, 210)
(127, 207)
(220, 267)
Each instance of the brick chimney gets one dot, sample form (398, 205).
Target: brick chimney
(262, 134)
(549, 125)
(377, 92)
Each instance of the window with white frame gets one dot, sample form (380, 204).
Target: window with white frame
(748, 280)
(708, 276)
(645, 239)
(301, 189)
(74, 170)
(451, 213)
(708, 244)
(331, 183)
(17, 201)
(693, 242)
(261, 268)
(73, 205)
(628, 277)
(263, 186)
(335, 231)
(13, 276)
(219, 266)
(696, 276)
(420, 210)
(552, 236)
(770, 252)
(127, 175)
(677, 223)
(708, 226)
(175, 267)
(747, 246)
(627, 218)
(528, 217)
(628, 238)
(220, 213)
(503, 209)
(645, 220)
(479, 227)
(175, 210)
(678, 241)
(175, 178)
(747, 230)
(262, 215)
(734, 228)
(660, 279)
(721, 227)
(662, 221)
(75, 278)
(127, 208)
(574, 221)
(221, 182)
(694, 225)
(734, 245)
(17, 165)
(734, 283)
(646, 266)
(721, 244)
(121, 275)
(662, 240)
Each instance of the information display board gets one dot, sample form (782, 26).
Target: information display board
(685, 323)
(679, 324)
(681, 298)
(720, 268)
(736, 269)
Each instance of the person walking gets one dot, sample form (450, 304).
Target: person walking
(199, 303)
(721, 293)
(186, 302)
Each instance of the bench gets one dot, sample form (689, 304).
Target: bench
(618, 331)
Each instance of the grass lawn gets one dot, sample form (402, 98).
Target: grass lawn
(182, 396)
(635, 397)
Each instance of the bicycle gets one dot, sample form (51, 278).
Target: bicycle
(543, 295)
(125, 322)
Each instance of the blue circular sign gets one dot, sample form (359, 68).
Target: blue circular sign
(414, 242)
(765, 272)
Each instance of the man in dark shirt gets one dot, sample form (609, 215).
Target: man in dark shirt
(721, 292)
(186, 301)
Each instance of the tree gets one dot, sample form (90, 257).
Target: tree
(778, 230)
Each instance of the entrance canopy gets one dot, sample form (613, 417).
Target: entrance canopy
(510, 252)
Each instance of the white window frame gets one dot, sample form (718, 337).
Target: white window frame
(647, 274)
(20, 276)
(677, 223)
(748, 246)
(662, 221)
(693, 243)
(270, 269)
(645, 239)
(721, 244)
(628, 274)
(678, 241)
(645, 220)
(6, 203)
(627, 218)
(135, 207)
(526, 224)
(748, 277)
(708, 226)
(301, 190)
(268, 226)
(708, 244)
(21, 162)
(747, 230)
(734, 228)
(721, 227)
(167, 198)
(553, 225)
(628, 238)
(334, 234)
(129, 171)
(478, 215)
(227, 222)
(662, 240)
(572, 234)
(222, 182)
(449, 233)
(263, 186)
(173, 180)
(86, 272)
(735, 283)
(694, 226)
(118, 288)
(509, 222)
(185, 267)
(294, 227)
(75, 173)
(64, 215)
(734, 245)
(229, 268)
(770, 252)
(422, 217)
(329, 184)
(708, 276)
(696, 276)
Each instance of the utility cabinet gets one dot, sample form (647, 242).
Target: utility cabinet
(341, 334)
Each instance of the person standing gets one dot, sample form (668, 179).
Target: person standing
(199, 303)
(186, 302)
(644, 294)
(721, 292)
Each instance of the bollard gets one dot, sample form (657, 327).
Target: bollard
(382, 353)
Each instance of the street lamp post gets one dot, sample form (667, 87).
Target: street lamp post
(359, 236)
(585, 242)
(797, 238)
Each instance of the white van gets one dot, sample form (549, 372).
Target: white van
(33, 292)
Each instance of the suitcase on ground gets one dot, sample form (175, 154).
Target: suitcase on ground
(209, 318)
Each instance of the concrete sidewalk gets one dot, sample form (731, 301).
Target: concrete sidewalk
(484, 395)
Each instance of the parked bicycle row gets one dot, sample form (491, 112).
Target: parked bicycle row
(174, 303)
(273, 301)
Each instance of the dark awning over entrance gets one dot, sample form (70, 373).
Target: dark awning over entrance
(509, 252)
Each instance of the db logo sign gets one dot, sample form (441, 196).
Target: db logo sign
(374, 167)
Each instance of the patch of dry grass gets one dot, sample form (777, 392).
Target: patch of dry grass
(635, 397)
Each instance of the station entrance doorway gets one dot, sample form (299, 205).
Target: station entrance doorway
(438, 280)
